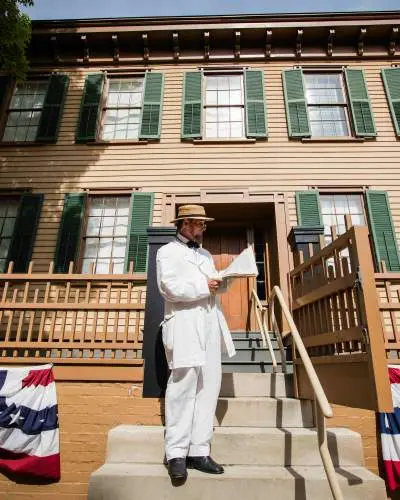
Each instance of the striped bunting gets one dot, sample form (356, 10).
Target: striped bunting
(29, 434)
(389, 425)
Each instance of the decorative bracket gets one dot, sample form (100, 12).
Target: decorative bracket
(393, 40)
(237, 44)
(114, 39)
(207, 45)
(145, 46)
(331, 38)
(54, 44)
(360, 45)
(299, 42)
(268, 45)
(175, 44)
(85, 49)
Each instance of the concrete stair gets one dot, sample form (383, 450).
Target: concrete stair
(251, 357)
(265, 439)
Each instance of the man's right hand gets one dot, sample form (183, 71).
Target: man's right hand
(213, 285)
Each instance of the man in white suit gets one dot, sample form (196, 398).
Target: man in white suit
(192, 328)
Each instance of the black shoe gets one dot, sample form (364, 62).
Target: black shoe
(177, 468)
(204, 464)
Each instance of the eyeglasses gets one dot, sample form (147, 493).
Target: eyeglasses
(198, 223)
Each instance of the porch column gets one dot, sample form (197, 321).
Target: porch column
(155, 364)
(301, 237)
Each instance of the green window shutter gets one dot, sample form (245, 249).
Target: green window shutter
(391, 80)
(382, 228)
(4, 82)
(70, 231)
(52, 109)
(90, 107)
(141, 214)
(192, 103)
(256, 121)
(152, 106)
(25, 231)
(308, 208)
(295, 103)
(360, 104)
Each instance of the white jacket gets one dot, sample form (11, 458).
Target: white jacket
(182, 276)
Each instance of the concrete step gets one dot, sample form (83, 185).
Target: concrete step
(256, 354)
(252, 342)
(138, 481)
(231, 366)
(241, 446)
(256, 384)
(264, 412)
(245, 335)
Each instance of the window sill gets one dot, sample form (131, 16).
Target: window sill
(333, 139)
(223, 141)
(24, 144)
(116, 143)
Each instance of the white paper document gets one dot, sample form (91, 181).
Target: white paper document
(242, 266)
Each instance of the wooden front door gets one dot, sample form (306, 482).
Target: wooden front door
(224, 245)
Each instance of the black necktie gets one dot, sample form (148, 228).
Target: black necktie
(192, 244)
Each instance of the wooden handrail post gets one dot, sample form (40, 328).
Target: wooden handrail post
(371, 320)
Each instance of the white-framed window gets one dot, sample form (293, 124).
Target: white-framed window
(106, 236)
(123, 107)
(334, 207)
(327, 104)
(24, 111)
(8, 216)
(224, 109)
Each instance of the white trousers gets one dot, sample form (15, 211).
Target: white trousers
(191, 400)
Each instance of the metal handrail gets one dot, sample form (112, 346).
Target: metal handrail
(321, 405)
(260, 311)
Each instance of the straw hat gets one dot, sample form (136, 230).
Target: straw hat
(192, 212)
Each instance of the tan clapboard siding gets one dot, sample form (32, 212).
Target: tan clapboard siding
(172, 166)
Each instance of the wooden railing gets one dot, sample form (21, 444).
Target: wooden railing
(388, 290)
(84, 321)
(336, 310)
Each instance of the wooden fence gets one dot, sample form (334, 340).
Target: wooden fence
(85, 324)
(335, 307)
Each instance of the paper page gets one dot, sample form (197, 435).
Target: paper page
(243, 265)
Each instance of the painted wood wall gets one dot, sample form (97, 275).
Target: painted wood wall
(172, 166)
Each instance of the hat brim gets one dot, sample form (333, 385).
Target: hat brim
(198, 217)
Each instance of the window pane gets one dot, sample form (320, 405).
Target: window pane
(105, 247)
(8, 227)
(107, 226)
(4, 246)
(223, 114)
(328, 121)
(235, 82)
(223, 98)
(211, 115)
(223, 130)
(123, 205)
(355, 204)
(211, 97)
(341, 204)
(96, 206)
(236, 97)
(237, 129)
(121, 226)
(93, 226)
(118, 266)
(211, 83)
(119, 247)
(91, 247)
(211, 130)
(326, 205)
(324, 88)
(109, 206)
(103, 266)
(223, 82)
(236, 114)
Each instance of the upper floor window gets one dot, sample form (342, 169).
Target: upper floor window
(224, 106)
(33, 109)
(105, 240)
(24, 111)
(327, 105)
(335, 206)
(123, 108)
